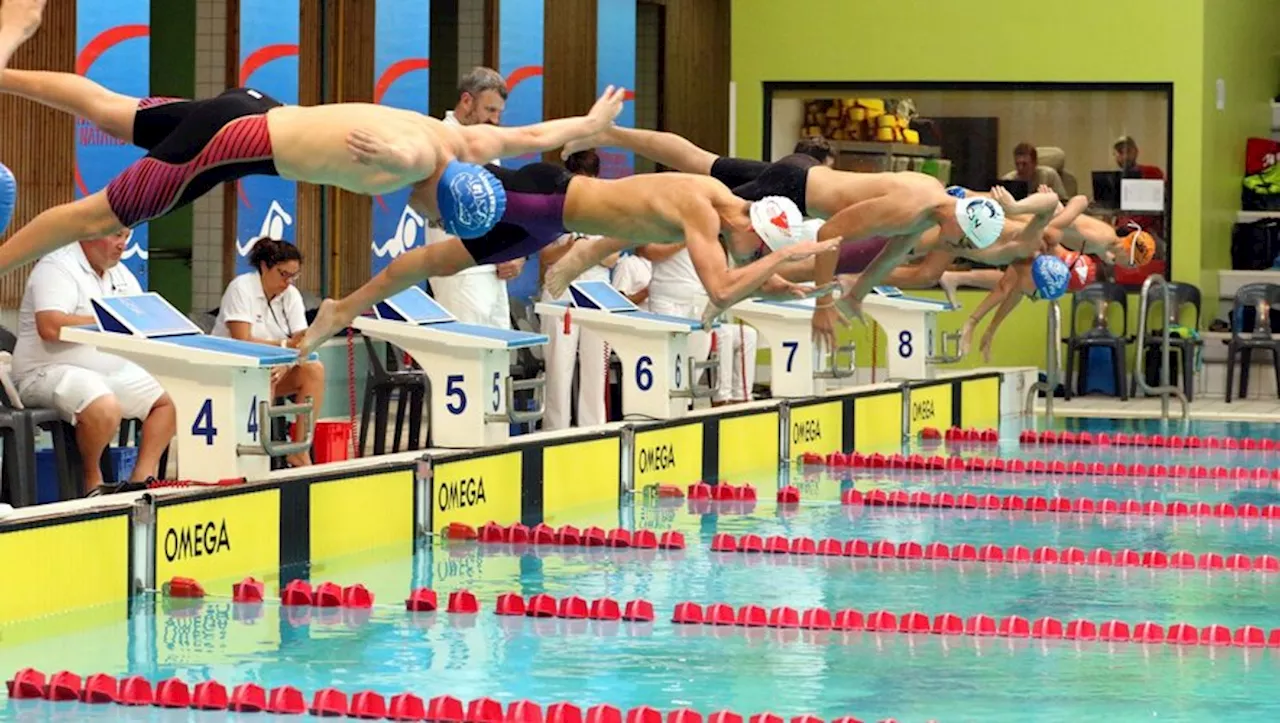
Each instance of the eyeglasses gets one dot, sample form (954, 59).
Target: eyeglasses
(287, 275)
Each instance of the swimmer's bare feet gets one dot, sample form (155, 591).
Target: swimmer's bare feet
(330, 319)
(948, 283)
(19, 20)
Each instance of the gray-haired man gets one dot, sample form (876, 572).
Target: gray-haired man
(479, 294)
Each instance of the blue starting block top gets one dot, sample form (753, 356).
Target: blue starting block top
(414, 306)
(894, 292)
(601, 296)
(150, 317)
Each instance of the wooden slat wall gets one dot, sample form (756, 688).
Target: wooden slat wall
(350, 215)
(310, 227)
(569, 61)
(38, 142)
(232, 80)
(696, 68)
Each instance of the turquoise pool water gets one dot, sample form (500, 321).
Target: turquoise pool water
(867, 675)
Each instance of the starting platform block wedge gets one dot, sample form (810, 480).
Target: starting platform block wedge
(657, 373)
(910, 323)
(473, 394)
(795, 361)
(221, 388)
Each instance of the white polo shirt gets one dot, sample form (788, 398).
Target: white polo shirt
(244, 300)
(435, 234)
(64, 281)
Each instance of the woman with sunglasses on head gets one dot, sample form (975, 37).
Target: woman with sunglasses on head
(263, 306)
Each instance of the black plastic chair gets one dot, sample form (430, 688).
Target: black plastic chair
(1099, 296)
(1263, 298)
(389, 377)
(19, 428)
(1183, 295)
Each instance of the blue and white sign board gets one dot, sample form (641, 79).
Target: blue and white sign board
(413, 306)
(147, 315)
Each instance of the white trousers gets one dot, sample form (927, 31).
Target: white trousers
(474, 298)
(732, 342)
(589, 350)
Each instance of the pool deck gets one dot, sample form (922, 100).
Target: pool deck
(1210, 408)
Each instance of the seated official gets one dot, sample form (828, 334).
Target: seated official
(264, 306)
(91, 389)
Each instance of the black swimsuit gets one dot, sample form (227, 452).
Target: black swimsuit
(753, 180)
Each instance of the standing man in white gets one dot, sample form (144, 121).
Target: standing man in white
(574, 343)
(477, 295)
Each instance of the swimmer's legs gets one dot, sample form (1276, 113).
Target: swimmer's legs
(666, 149)
(584, 254)
(77, 95)
(89, 217)
(19, 20)
(438, 259)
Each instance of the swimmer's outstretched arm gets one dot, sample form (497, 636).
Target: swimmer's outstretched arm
(661, 147)
(486, 143)
(725, 286)
(1007, 285)
(1011, 300)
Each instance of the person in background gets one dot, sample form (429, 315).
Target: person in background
(818, 148)
(632, 276)
(1027, 168)
(676, 291)
(263, 306)
(1126, 155)
(477, 295)
(575, 342)
(91, 389)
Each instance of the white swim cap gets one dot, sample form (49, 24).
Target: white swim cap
(981, 219)
(776, 220)
(809, 229)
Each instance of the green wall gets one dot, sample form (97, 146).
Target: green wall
(1241, 48)
(1006, 40)
(173, 73)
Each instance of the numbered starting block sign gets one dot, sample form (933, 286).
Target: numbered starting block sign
(221, 388)
(657, 374)
(910, 325)
(795, 362)
(472, 392)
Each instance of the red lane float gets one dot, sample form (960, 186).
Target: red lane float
(1011, 626)
(991, 553)
(1050, 437)
(568, 535)
(1064, 505)
(31, 684)
(1139, 470)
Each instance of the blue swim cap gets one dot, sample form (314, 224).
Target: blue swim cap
(471, 200)
(1051, 276)
(957, 191)
(8, 196)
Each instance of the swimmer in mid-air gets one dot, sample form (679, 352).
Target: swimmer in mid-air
(194, 145)
(880, 215)
(544, 201)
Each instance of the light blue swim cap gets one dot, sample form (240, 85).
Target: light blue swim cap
(8, 196)
(471, 200)
(1051, 276)
(957, 191)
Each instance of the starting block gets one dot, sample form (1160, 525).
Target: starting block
(793, 356)
(473, 394)
(910, 324)
(657, 373)
(221, 388)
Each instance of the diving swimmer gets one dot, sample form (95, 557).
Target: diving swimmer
(545, 201)
(194, 145)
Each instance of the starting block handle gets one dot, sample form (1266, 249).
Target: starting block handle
(539, 388)
(835, 370)
(271, 448)
(949, 355)
(695, 391)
